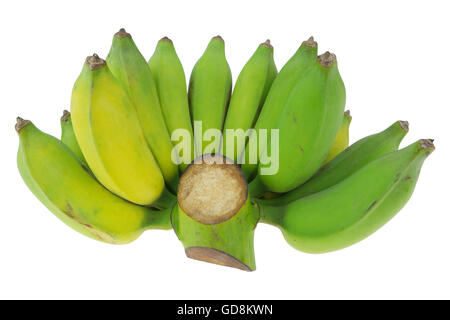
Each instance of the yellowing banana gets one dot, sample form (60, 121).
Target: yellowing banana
(108, 131)
(68, 137)
(307, 126)
(278, 95)
(129, 66)
(354, 208)
(171, 84)
(248, 96)
(348, 162)
(57, 179)
(342, 138)
(209, 93)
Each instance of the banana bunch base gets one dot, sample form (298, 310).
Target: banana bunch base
(120, 169)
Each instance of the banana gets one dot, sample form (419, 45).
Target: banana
(347, 162)
(69, 139)
(171, 85)
(129, 66)
(356, 207)
(307, 126)
(108, 131)
(248, 96)
(278, 94)
(57, 179)
(209, 93)
(342, 138)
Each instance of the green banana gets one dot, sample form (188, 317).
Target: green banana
(171, 84)
(57, 179)
(342, 138)
(129, 66)
(307, 126)
(209, 94)
(248, 96)
(349, 161)
(68, 137)
(277, 96)
(107, 129)
(356, 207)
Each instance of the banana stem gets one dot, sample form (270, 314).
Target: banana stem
(269, 214)
(256, 188)
(215, 219)
(159, 219)
(165, 201)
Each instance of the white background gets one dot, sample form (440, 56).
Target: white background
(394, 59)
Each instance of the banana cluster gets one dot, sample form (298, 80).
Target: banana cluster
(116, 169)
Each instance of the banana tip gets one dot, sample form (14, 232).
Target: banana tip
(167, 39)
(427, 144)
(327, 59)
(122, 34)
(218, 38)
(267, 44)
(65, 116)
(404, 125)
(94, 62)
(21, 123)
(310, 42)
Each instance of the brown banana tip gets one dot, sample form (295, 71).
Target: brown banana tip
(65, 116)
(267, 44)
(122, 34)
(404, 125)
(347, 113)
(21, 123)
(310, 42)
(218, 38)
(94, 62)
(327, 59)
(427, 144)
(165, 39)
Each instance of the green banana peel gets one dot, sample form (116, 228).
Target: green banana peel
(354, 208)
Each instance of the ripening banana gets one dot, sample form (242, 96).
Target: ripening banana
(248, 96)
(68, 137)
(356, 207)
(108, 131)
(342, 138)
(171, 84)
(57, 179)
(307, 126)
(209, 94)
(129, 66)
(347, 162)
(277, 96)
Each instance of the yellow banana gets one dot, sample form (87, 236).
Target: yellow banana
(108, 131)
(57, 179)
(129, 66)
(342, 138)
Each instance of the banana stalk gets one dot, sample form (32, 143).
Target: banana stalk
(215, 219)
(56, 177)
(354, 208)
(129, 66)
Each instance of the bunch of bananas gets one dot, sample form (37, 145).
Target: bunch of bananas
(116, 171)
